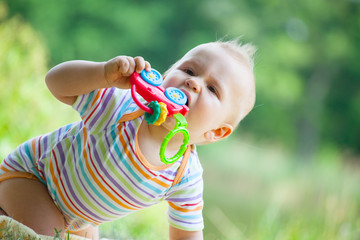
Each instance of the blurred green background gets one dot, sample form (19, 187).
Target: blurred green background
(290, 171)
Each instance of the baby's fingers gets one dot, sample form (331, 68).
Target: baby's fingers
(147, 66)
(126, 66)
(141, 64)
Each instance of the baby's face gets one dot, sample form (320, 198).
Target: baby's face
(219, 87)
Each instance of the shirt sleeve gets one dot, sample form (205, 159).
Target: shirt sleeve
(186, 202)
(102, 108)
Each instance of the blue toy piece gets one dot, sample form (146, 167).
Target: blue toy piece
(153, 77)
(176, 95)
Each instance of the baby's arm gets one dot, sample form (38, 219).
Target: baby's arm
(70, 79)
(177, 234)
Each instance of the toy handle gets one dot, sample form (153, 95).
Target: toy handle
(180, 126)
(136, 100)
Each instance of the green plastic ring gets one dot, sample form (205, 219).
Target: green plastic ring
(180, 127)
(152, 118)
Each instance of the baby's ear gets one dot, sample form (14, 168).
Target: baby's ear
(217, 134)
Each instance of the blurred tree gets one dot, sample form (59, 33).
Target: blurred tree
(98, 31)
(24, 97)
(307, 69)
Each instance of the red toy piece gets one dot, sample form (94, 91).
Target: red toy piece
(153, 93)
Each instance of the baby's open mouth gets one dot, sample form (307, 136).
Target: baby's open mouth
(188, 97)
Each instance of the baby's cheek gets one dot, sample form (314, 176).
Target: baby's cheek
(199, 122)
(171, 81)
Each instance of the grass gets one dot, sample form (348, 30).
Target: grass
(12, 230)
(262, 192)
(150, 223)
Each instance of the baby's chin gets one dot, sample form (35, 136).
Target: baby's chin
(169, 123)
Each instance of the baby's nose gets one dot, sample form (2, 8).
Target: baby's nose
(193, 85)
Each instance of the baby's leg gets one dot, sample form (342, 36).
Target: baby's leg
(28, 202)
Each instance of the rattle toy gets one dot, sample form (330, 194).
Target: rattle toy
(162, 103)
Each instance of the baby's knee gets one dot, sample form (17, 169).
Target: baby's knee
(29, 202)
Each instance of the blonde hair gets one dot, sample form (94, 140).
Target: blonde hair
(246, 51)
(242, 51)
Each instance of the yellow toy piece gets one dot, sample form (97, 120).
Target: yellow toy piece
(163, 114)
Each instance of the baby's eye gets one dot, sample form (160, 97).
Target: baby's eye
(212, 89)
(189, 72)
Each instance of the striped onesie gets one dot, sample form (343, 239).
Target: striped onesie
(95, 172)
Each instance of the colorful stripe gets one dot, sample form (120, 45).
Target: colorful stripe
(94, 174)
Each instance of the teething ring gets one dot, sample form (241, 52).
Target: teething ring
(156, 110)
(180, 127)
(163, 114)
(136, 100)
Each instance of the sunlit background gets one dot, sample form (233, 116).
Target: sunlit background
(290, 171)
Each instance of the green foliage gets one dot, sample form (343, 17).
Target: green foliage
(307, 86)
(27, 107)
(99, 31)
(150, 223)
(263, 193)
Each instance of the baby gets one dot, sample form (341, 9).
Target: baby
(107, 165)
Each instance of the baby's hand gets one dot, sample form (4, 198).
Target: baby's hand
(119, 69)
